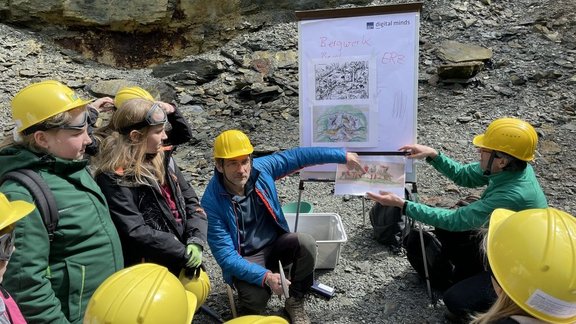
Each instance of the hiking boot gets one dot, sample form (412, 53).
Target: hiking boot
(295, 309)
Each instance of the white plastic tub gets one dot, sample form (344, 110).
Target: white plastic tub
(327, 230)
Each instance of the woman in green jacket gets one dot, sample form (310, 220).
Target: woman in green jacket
(505, 150)
(52, 281)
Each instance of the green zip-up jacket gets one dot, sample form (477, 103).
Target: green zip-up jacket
(52, 283)
(511, 190)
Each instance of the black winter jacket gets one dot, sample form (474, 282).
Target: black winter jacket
(148, 230)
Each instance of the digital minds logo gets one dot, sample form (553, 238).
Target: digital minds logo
(386, 24)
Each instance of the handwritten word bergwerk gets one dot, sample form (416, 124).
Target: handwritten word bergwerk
(339, 43)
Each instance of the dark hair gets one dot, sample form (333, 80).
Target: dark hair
(514, 164)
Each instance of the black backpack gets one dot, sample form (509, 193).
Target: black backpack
(41, 193)
(389, 225)
(440, 269)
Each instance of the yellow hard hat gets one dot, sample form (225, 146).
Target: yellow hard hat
(257, 319)
(199, 286)
(231, 144)
(40, 101)
(128, 93)
(144, 293)
(532, 254)
(511, 136)
(13, 211)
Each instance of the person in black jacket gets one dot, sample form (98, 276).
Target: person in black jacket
(178, 132)
(157, 213)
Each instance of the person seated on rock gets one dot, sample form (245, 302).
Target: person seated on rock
(157, 213)
(247, 230)
(52, 276)
(505, 150)
(531, 257)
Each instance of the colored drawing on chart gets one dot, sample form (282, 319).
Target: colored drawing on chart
(385, 173)
(341, 124)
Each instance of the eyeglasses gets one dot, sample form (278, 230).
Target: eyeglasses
(6, 246)
(154, 117)
(497, 155)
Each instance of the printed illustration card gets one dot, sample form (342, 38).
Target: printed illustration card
(387, 173)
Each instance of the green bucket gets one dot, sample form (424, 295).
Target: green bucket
(305, 207)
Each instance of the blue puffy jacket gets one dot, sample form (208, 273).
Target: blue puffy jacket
(223, 234)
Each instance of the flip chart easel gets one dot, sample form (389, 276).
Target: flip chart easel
(358, 72)
(358, 78)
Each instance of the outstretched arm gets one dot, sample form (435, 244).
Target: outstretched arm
(385, 198)
(417, 151)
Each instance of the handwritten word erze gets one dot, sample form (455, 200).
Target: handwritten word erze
(393, 58)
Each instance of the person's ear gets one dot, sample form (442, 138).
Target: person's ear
(135, 136)
(502, 163)
(41, 139)
(220, 165)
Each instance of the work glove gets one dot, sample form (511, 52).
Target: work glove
(194, 253)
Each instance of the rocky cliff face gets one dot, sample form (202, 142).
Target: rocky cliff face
(139, 33)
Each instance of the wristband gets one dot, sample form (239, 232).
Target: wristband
(404, 207)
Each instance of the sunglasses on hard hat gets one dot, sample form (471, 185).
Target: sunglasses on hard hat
(79, 126)
(6, 245)
(154, 117)
(44, 127)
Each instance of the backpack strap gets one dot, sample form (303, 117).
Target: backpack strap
(41, 193)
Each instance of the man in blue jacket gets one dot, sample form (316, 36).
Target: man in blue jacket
(247, 231)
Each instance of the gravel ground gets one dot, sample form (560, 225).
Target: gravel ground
(532, 75)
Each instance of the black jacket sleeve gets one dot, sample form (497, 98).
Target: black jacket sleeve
(92, 148)
(131, 224)
(196, 220)
(181, 131)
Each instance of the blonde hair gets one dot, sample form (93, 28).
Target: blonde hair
(28, 141)
(118, 153)
(503, 307)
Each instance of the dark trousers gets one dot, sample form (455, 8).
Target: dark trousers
(472, 295)
(463, 251)
(472, 290)
(297, 249)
